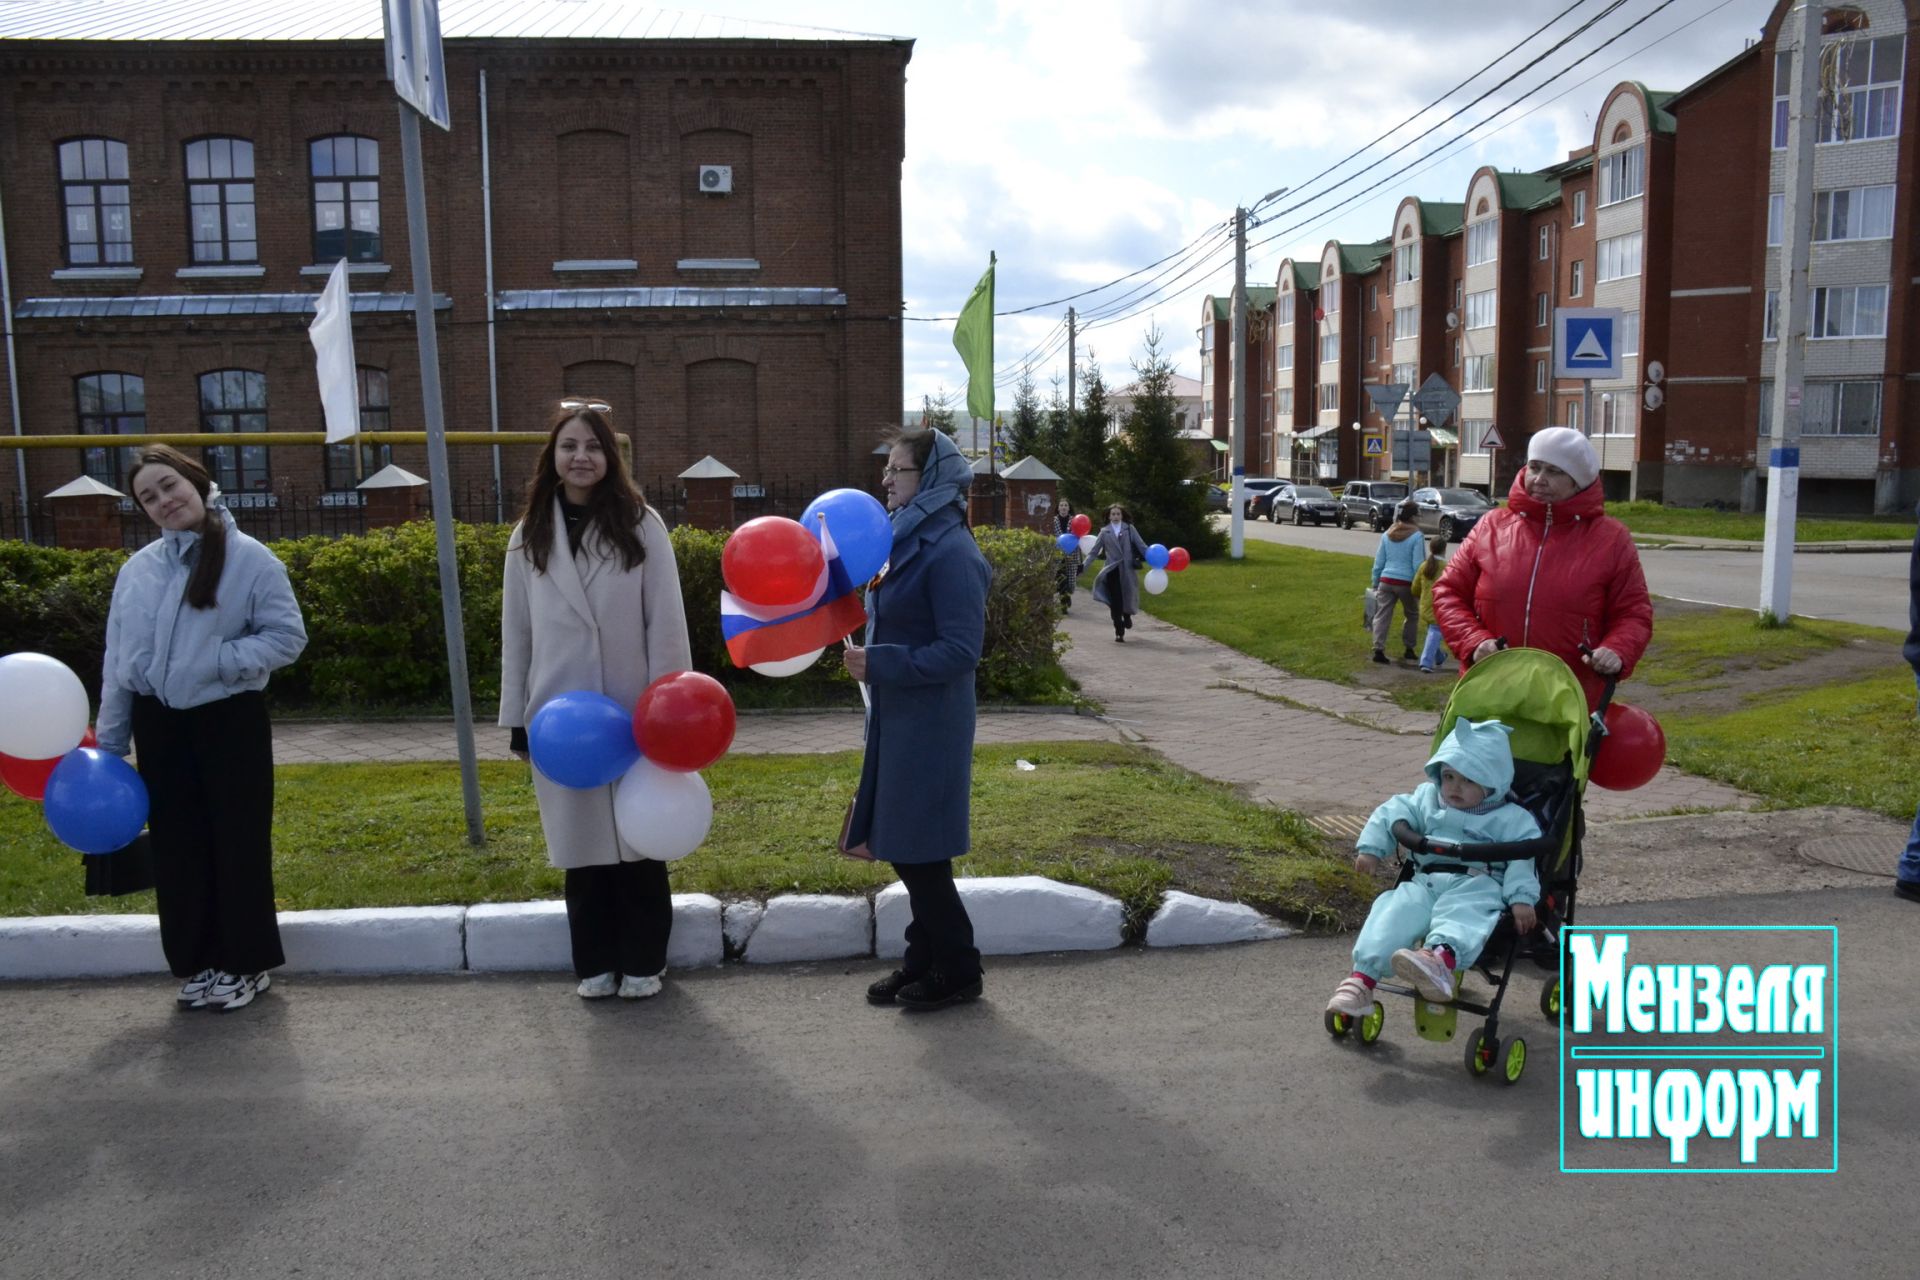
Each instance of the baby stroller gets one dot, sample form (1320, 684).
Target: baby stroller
(1554, 742)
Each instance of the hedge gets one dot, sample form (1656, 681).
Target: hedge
(375, 639)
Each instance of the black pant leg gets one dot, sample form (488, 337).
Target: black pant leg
(645, 917)
(593, 919)
(233, 742)
(940, 934)
(1113, 606)
(181, 834)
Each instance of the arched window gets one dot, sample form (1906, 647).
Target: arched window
(346, 198)
(234, 401)
(1839, 20)
(97, 227)
(109, 404)
(1622, 131)
(220, 201)
(350, 462)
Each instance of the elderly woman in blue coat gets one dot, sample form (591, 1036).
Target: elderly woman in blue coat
(927, 618)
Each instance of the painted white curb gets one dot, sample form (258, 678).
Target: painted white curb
(80, 946)
(531, 937)
(1187, 920)
(1012, 916)
(374, 940)
(812, 926)
(739, 922)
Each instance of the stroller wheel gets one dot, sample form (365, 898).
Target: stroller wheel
(1483, 1051)
(1550, 1000)
(1370, 1025)
(1338, 1025)
(1514, 1062)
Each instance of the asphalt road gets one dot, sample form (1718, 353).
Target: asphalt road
(1126, 1114)
(1868, 588)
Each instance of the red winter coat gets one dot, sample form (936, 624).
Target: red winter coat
(1548, 577)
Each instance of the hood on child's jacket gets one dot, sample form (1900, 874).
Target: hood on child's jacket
(1478, 750)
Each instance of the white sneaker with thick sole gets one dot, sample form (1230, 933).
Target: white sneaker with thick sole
(235, 991)
(1427, 973)
(1352, 997)
(598, 987)
(193, 992)
(632, 988)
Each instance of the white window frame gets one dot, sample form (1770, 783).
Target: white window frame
(1479, 374)
(1866, 212)
(1329, 347)
(1822, 404)
(1483, 309)
(1621, 177)
(1283, 404)
(1579, 208)
(1862, 96)
(1619, 257)
(1539, 375)
(1483, 242)
(1283, 356)
(1577, 286)
(1284, 315)
(1833, 302)
(1330, 297)
(1541, 313)
(1546, 243)
(1373, 348)
(1407, 372)
(1629, 333)
(1406, 263)
(1329, 397)
(1406, 323)
(1573, 414)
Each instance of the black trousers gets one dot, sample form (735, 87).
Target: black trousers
(209, 776)
(620, 916)
(940, 935)
(1113, 607)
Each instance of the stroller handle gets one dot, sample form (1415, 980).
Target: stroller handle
(1490, 851)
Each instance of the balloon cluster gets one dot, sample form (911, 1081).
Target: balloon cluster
(773, 564)
(682, 723)
(93, 800)
(1161, 560)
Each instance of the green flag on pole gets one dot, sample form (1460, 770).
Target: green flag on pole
(973, 339)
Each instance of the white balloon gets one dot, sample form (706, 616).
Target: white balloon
(1087, 542)
(661, 814)
(788, 666)
(1156, 581)
(43, 707)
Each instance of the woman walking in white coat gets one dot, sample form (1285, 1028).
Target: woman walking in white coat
(591, 601)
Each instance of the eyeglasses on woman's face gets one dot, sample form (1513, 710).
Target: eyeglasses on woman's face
(892, 471)
(598, 406)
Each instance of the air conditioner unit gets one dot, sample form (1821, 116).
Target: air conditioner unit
(716, 179)
(1453, 320)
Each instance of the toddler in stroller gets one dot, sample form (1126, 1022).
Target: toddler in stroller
(1453, 905)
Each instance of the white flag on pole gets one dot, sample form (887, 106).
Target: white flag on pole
(332, 334)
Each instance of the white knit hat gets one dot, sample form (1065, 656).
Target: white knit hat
(1568, 450)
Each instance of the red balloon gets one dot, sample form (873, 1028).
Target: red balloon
(29, 777)
(772, 561)
(684, 721)
(1178, 559)
(1632, 752)
(1081, 525)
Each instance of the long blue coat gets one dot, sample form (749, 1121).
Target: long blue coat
(928, 618)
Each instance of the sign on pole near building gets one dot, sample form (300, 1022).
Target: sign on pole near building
(1586, 342)
(1492, 439)
(1387, 397)
(1376, 445)
(415, 61)
(1436, 400)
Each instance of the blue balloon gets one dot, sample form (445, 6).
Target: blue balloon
(95, 802)
(582, 740)
(1157, 556)
(862, 533)
(1068, 543)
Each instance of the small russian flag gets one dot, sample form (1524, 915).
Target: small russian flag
(755, 633)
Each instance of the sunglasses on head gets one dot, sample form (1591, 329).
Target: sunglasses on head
(598, 406)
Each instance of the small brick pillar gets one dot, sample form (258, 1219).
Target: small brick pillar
(86, 515)
(1033, 496)
(709, 485)
(394, 496)
(986, 498)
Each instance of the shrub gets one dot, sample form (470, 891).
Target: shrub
(55, 602)
(1020, 660)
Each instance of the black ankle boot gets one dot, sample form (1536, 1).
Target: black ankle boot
(883, 991)
(936, 991)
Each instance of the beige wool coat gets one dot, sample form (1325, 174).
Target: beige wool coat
(587, 624)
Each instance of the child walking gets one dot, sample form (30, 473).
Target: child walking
(1432, 656)
(1453, 905)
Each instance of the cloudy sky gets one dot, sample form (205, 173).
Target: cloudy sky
(1083, 141)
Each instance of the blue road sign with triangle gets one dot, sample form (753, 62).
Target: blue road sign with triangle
(1586, 342)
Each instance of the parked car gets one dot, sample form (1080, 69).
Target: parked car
(1217, 498)
(1451, 513)
(1257, 487)
(1303, 504)
(1370, 502)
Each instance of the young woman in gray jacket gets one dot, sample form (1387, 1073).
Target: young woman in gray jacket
(199, 620)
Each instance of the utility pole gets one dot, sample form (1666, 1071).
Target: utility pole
(1073, 366)
(1237, 517)
(1790, 346)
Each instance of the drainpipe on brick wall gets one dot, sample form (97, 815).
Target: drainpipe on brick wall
(493, 363)
(13, 381)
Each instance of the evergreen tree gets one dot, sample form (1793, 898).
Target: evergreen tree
(939, 411)
(1150, 461)
(1083, 463)
(1023, 434)
(1053, 436)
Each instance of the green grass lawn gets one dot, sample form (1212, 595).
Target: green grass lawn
(1113, 817)
(1698, 522)
(1704, 644)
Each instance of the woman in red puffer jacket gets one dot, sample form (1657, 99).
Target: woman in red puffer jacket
(1550, 571)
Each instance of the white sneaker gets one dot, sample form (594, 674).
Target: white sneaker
(1427, 973)
(598, 987)
(234, 991)
(193, 993)
(1352, 997)
(632, 988)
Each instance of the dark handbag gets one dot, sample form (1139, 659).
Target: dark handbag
(124, 871)
(860, 850)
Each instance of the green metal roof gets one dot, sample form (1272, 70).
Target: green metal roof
(1306, 276)
(1526, 190)
(1661, 119)
(1259, 297)
(1441, 219)
(1358, 259)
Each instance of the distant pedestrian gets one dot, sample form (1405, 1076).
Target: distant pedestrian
(1121, 546)
(927, 621)
(1070, 561)
(1432, 655)
(1395, 563)
(1907, 874)
(200, 619)
(590, 601)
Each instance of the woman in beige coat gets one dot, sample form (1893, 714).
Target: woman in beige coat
(591, 601)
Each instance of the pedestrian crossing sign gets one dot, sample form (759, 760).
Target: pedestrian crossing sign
(1376, 447)
(1586, 342)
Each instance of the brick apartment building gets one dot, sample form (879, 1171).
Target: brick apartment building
(1672, 215)
(1216, 375)
(697, 221)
